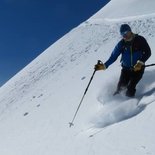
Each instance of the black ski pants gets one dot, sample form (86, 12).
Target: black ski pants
(128, 80)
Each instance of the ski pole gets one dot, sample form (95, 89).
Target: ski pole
(71, 123)
(150, 65)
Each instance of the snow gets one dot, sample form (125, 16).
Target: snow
(126, 8)
(38, 103)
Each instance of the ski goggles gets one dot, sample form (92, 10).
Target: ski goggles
(124, 33)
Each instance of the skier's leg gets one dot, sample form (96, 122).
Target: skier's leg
(135, 78)
(123, 80)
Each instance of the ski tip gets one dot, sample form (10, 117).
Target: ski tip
(71, 124)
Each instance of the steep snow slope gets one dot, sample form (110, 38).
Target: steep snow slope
(37, 104)
(126, 8)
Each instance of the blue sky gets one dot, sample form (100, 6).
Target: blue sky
(28, 27)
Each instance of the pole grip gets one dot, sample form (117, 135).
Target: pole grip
(99, 62)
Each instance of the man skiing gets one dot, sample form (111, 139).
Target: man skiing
(135, 52)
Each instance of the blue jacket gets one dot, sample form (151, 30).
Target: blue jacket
(131, 51)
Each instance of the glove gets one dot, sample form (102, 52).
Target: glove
(100, 66)
(138, 66)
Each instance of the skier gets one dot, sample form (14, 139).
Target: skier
(135, 52)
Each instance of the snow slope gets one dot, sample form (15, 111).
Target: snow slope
(38, 103)
(126, 8)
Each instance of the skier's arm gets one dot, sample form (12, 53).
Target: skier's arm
(116, 52)
(146, 50)
(146, 53)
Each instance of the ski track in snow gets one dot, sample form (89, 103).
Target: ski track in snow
(119, 108)
(117, 111)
